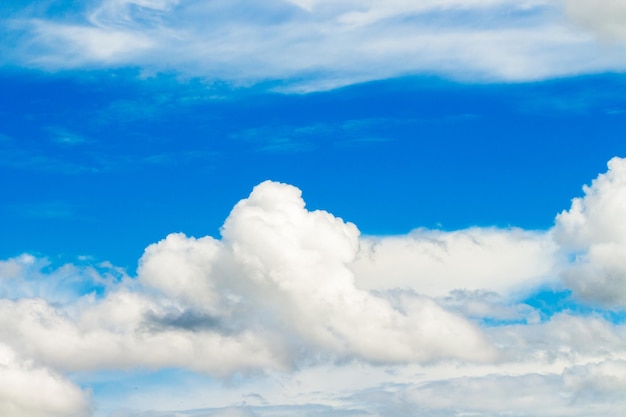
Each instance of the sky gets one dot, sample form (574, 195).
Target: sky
(312, 208)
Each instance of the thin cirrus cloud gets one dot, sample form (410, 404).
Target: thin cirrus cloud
(332, 321)
(314, 45)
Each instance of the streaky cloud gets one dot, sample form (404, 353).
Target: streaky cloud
(302, 46)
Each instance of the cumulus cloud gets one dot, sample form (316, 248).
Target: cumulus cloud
(593, 229)
(335, 322)
(120, 333)
(313, 45)
(28, 390)
(302, 258)
(278, 258)
(275, 291)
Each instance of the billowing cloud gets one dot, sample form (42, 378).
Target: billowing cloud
(291, 264)
(313, 45)
(334, 323)
(593, 229)
(302, 257)
(28, 390)
(124, 331)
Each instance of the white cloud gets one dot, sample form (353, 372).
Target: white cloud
(87, 45)
(126, 330)
(309, 45)
(291, 265)
(26, 276)
(28, 390)
(591, 389)
(181, 267)
(564, 339)
(606, 18)
(300, 260)
(595, 231)
(307, 316)
(435, 262)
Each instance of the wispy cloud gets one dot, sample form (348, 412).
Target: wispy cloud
(290, 138)
(315, 45)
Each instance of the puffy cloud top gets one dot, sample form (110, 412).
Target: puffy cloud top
(292, 264)
(594, 228)
(288, 291)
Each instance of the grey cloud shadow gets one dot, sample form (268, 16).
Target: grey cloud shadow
(188, 320)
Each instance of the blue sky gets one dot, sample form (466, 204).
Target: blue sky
(305, 207)
(104, 154)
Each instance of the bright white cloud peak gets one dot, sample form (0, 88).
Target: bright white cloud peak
(315, 44)
(346, 322)
(291, 265)
(595, 230)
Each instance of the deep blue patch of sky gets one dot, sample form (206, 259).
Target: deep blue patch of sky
(104, 163)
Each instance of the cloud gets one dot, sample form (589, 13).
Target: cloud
(89, 44)
(594, 231)
(593, 388)
(564, 339)
(435, 263)
(315, 45)
(291, 264)
(26, 276)
(119, 333)
(530, 394)
(307, 316)
(28, 390)
(301, 258)
(607, 18)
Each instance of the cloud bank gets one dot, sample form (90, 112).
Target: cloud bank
(315, 45)
(419, 323)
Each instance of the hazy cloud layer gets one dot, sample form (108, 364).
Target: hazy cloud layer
(332, 322)
(313, 45)
(604, 18)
